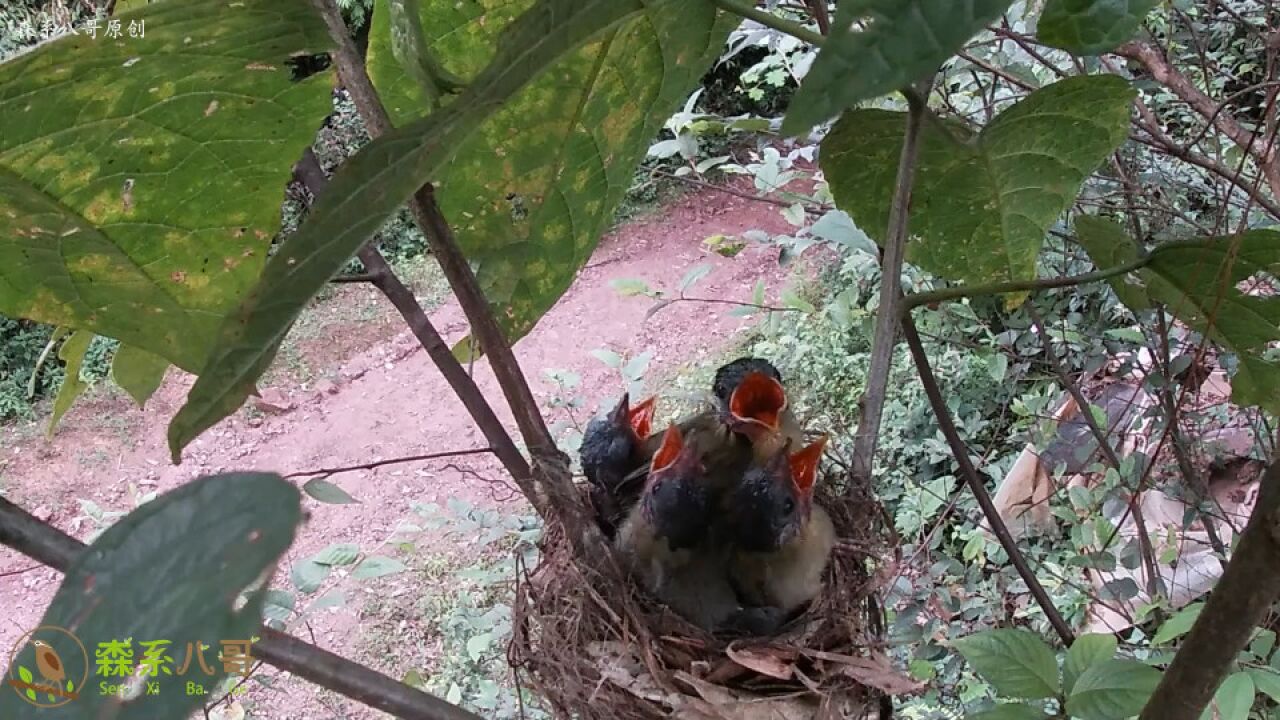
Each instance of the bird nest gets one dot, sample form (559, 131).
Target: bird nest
(594, 645)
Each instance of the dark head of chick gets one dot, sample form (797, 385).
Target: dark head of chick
(730, 376)
(610, 444)
(677, 500)
(772, 503)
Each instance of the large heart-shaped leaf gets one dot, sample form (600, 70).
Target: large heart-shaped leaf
(980, 209)
(1090, 27)
(171, 571)
(418, 49)
(376, 181)
(141, 177)
(531, 192)
(1017, 663)
(902, 41)
(1112, 690)
(1208, 284)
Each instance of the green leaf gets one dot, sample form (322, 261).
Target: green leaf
(308, 575)
(1017, 663)
(331, 599)
(1267, 681)
(1112, 690)
(1235, 697)
(635, 367)
(998, 366)
(373, 184)
(837, 227)
(608, 357)
(980, 209)
(463, 36)
(1199, 282)
(629, 287)
(1085, 652)
(1009, 711)
(337, 554)
(278, 605)
(532, 190)
(376, 566)
(1178, 625)
(1091, 27)
(695, 273)
(327, 492)
(72, 353)
(905, 40)
(204, 543)
(25, 675)
(140, 179)
(138, 372)
(1109, 246)
(478, 645)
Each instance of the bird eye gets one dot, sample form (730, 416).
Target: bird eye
(789, 506)
(657, 487)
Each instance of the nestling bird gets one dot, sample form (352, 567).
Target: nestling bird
(49, 664)
(783, 540)
(665, 542)
(611, 448)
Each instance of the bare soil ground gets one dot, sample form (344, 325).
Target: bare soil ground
(358, 388)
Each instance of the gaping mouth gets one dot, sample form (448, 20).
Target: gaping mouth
(641, 417)
(758, 399)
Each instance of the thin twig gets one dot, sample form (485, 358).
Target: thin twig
(44, 543)
(360, 278)
(885, 338)
(915, 300)
(1104, 446)
(403, 299)
(326, 472)
(747, 9)
(976, 485)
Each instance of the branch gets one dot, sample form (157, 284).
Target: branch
(914, 300)
(1104, 446)
(42, 542)
(460, 381)
(886, 332)
(1164, 73)
(748, 10)
(970, 474)
(1239, 603)
(821, 15)
(326, 472)
(548, 485)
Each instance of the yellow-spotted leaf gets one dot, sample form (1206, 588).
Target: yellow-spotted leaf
(530, 193)
(141, 175)
(536, 87)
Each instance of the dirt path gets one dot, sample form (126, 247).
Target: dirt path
(388, 401)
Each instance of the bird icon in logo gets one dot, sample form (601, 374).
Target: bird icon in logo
(49, 664)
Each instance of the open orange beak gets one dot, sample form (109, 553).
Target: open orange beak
(804, 465)
(669, 451)
(641, 417)
(760, 399)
